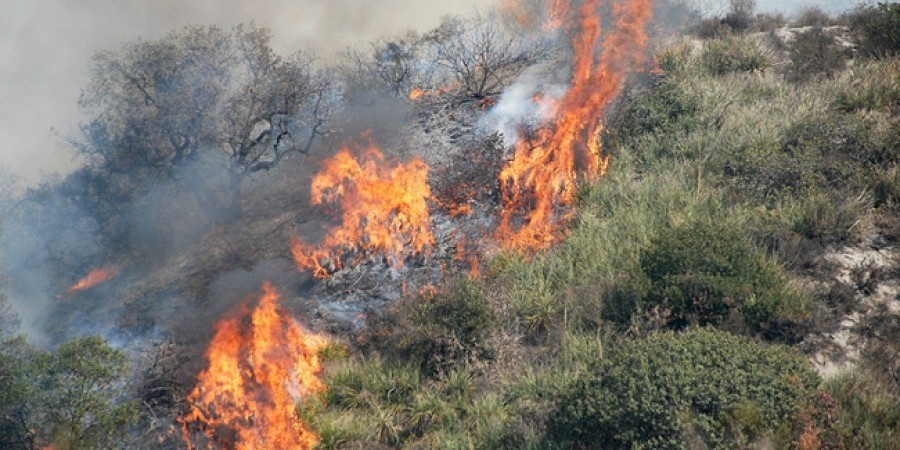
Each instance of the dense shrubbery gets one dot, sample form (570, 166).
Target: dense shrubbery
(71, 398)
(878, 28)
(662, 391)
(703, 273)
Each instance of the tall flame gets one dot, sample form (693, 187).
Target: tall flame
(384, 207)
(539, 183)
(258, 371)
(93, 279)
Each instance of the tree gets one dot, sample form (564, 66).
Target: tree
(16, 392)
(156, 105)
(481, 57)
(81, 395)
(393, 65)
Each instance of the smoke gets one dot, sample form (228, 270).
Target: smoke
(46, 45)
(526, 103)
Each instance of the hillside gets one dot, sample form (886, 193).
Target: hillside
(559, 225)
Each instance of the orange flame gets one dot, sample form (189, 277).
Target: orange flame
(258, 371)
(93, 279)
(385, 211)
(416, 94)
(539, 183)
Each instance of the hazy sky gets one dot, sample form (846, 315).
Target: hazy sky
(46, 45)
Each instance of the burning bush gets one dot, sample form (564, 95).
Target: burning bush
(261, 364)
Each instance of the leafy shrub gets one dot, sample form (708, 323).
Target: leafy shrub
(81, 387)
(660, 110)
(723, 56)
(448, 328)
(814, 54)
(878, 28)
(703, 273)
(16, 392)
(652, 393)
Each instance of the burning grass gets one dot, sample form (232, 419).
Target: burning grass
(261, 363)
(540, 182)
(384, 211)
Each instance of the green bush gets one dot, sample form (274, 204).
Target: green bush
(662, 109)
(448, 328)
(703, 273)
(81, 388)
(878, 28)
(723, 56)
(663, 390)
(16, 394)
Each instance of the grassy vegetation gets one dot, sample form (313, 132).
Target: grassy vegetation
(729, 178)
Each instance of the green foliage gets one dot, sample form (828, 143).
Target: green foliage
(16, 393)
(448, 328)
(878, 27)
(650, 393)
(702, 273)
(81, 386)
(730, 55)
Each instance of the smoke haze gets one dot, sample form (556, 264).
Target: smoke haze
(46, 46)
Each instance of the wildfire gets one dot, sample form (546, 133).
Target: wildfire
(539, 183)
(385, 211)
(258, 370)
(416, 94)
(94, 278)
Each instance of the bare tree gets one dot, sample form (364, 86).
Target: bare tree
(394, 65)
(482, 57)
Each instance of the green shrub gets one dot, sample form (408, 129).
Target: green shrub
(730, 55)
(658, 391)
(448, 328)
(878, 28)
(703, 273)
(81, 388)
(16, 394)
(662, 109)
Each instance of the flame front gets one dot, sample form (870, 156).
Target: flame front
(384, 207)
(93, 279)
(539, 184)
(258, 371)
